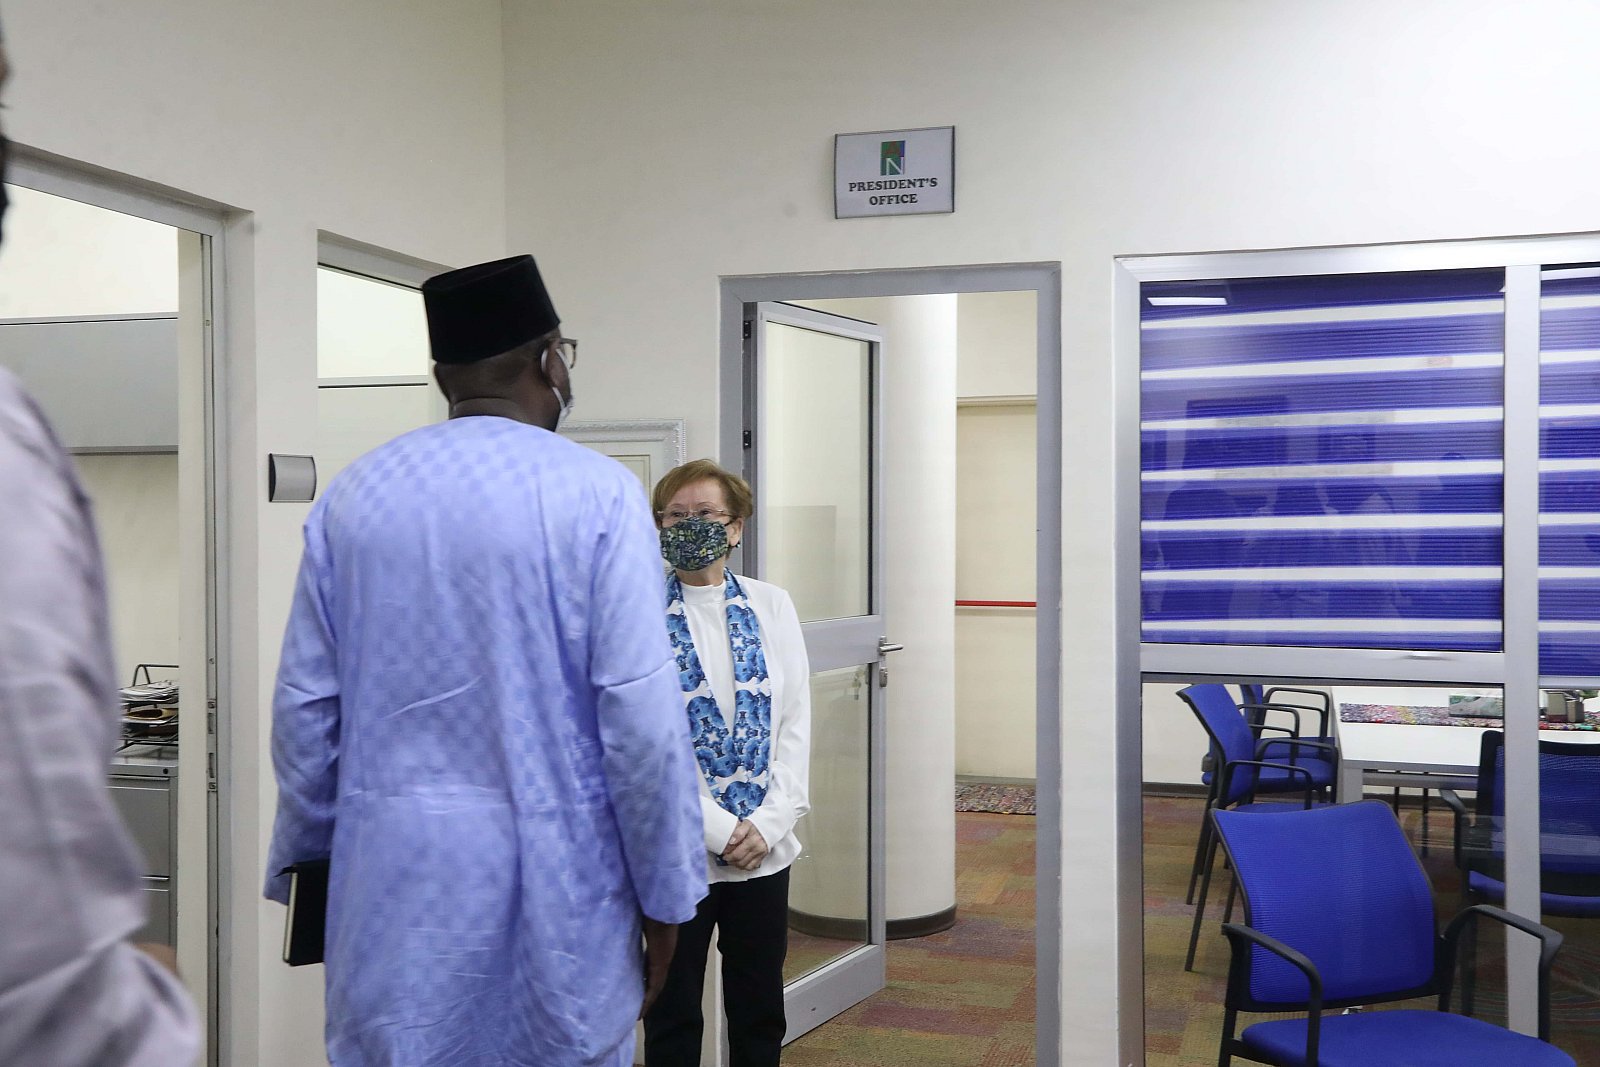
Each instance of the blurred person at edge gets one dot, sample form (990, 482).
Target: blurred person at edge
(746, 688)
(74, 990)
(478, 723)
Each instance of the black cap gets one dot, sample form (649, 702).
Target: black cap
(482, 311)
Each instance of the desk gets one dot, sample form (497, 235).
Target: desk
(1435, 750)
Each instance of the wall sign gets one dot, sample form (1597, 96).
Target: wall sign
(894, 172)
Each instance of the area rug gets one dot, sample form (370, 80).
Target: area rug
(996, 799)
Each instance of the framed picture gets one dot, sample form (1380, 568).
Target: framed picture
(647, 447)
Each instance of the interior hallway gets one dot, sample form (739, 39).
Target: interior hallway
(962, 998)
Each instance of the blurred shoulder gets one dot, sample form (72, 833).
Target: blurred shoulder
(26, 437)
(21, 421)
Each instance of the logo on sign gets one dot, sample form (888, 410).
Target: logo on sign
(892, 158)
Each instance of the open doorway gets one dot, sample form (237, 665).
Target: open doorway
(963, 400)
(106, 317)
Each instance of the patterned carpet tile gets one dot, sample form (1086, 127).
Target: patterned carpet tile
(891, 1014)
(961, 998)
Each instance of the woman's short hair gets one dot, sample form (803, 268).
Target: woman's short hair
(741, 502)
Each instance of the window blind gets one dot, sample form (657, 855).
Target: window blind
(1321, 460)
(1569, 472)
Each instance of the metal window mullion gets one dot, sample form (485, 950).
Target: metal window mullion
(1521, 633)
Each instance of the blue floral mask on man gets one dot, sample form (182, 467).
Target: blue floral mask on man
(693, 544)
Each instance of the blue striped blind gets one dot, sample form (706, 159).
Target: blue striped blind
(1569, 473)
(1321, 460)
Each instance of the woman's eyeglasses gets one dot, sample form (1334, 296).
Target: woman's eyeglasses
(676, 515)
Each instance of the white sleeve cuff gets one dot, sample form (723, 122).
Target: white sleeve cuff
(719, 825)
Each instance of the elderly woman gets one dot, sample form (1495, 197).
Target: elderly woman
(746, 688)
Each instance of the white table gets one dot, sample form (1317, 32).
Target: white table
(1436, 750)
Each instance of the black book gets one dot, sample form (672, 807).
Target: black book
(308, 913)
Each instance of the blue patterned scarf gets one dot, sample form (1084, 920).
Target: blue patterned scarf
(735, 762)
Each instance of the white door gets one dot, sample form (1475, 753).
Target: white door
(811, 454)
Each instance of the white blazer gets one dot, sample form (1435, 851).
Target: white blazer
(790, 673)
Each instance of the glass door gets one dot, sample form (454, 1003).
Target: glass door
(811, 455)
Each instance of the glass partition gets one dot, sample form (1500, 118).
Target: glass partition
(829, 883)
(1324, 466)
(1569, 648)
(373, 367)
(817, 480)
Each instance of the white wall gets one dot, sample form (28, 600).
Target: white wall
(656, 147)
(996, 471)
(380, 120)
(997, 336)
(136, 510)
(1174, 740)
(996, 534)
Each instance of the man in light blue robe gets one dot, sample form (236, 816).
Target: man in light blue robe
(478, 720)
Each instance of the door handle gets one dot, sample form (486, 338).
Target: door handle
(885, 646)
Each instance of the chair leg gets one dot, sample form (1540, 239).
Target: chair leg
(1468, 962)
(1199, 851)
(1394, 802)
(1200, 906)
(1233, 891)
(1424, 820)
(1229, 1021)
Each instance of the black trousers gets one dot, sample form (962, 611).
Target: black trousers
(752, 923)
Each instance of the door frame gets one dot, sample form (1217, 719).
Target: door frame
(1044, 280)
(56, 175)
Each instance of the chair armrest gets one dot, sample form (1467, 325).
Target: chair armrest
(1288, 708)
(1324, 706)
(1549, 944)
(1240, 939)
(1226, 777)
(1458, 808)
(1298, 743)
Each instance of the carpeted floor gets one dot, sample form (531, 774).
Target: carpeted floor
(962, 998)
(1183, 1011)
(965, 998)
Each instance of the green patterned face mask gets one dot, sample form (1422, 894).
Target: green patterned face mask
(694, 544)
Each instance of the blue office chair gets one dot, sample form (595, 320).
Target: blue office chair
(1569, 832)
(1228, 742)
(1569, 812)
(1339, 913)
(1245, 766)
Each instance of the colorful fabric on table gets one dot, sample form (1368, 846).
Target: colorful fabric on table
(1435, 715)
